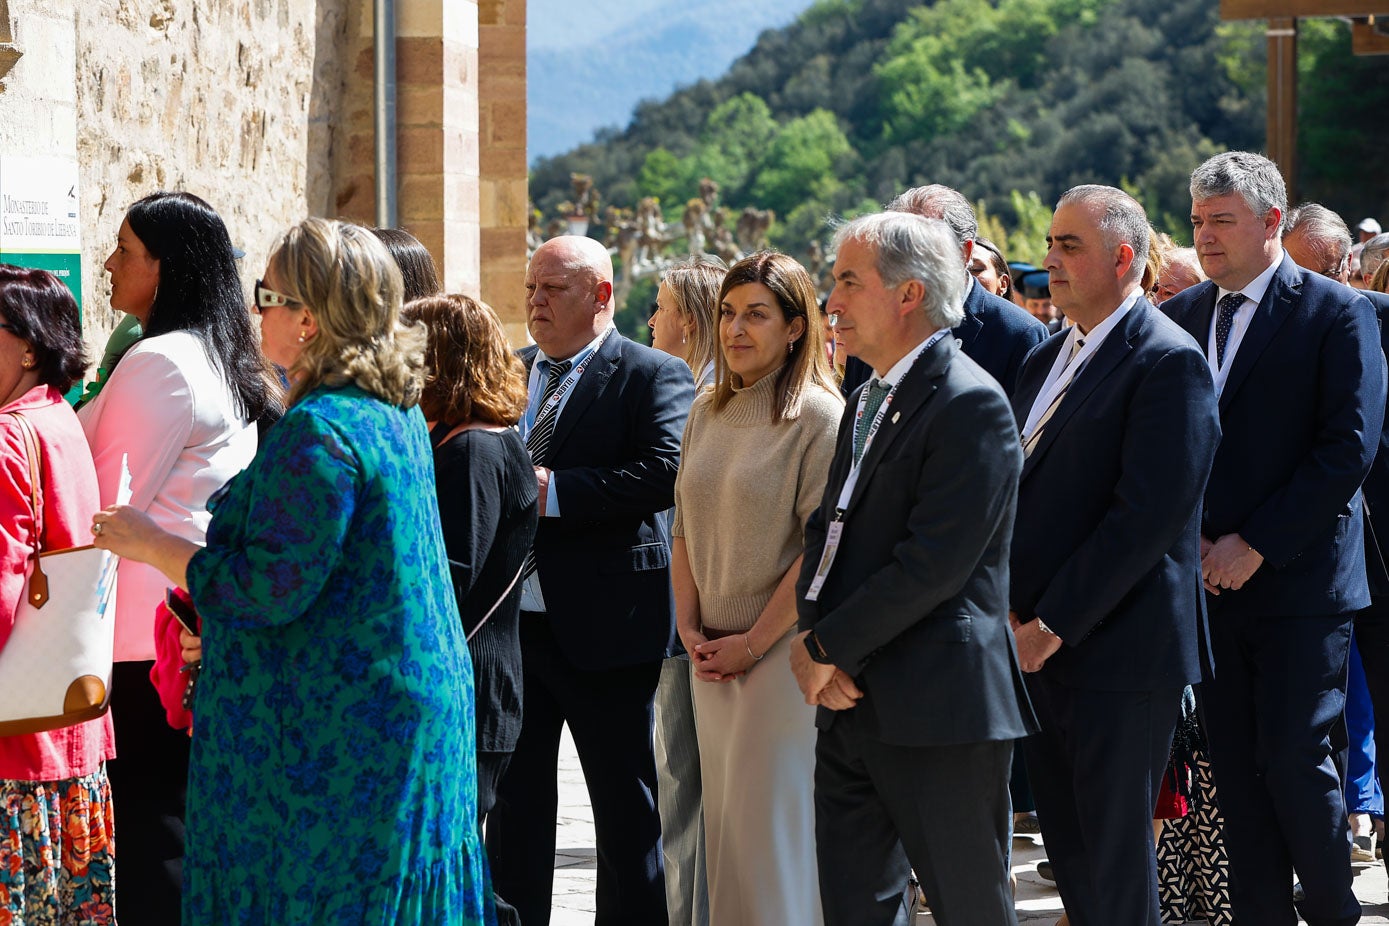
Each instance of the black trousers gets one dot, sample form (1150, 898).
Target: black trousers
(610, 714)
(882, 810)
(149, 784)
(1279, 688)
(1095, 770)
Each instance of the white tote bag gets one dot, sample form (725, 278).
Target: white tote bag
(55, 667)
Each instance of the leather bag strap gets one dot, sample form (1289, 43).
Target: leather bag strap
(38, 582)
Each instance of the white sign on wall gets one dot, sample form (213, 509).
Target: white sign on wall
(39, 224)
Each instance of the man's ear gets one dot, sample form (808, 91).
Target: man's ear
(604, 293)
(913, 293)
(1123, 260)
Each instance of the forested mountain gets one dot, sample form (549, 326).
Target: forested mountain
(859, 99)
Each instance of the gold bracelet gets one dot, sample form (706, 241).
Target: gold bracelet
(748, 646)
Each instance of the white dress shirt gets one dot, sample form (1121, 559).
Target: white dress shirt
(1070, 361)
(1253, 295)
(531, 597)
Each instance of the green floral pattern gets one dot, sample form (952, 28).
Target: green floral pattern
(333, 772)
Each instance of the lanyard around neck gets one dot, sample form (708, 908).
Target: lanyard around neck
(851, 481)
(569, 380)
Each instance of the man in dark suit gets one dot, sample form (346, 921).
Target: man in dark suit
(1300, 376)
(993, 332)
(1318, 240)
(902, 598)
(1119, 427)
(603, 427)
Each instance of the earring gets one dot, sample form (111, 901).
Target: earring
(301, 339)
(790, 346)
(27, 363)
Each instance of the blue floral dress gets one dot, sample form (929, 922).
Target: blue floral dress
(333, 774)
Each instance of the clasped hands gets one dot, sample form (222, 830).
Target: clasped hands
(822, 684)
(1228, 563)
(721, 660)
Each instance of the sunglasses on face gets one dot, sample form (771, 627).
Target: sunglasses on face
(269, 299)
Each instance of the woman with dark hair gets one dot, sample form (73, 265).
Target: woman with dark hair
(56, 847)
(753, 466)
(416, 264)
(333, 777)
(474, 393)
(989, 267)
(177, 413)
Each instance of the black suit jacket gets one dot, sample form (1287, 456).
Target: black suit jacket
(1107, 545)
(604, 566)
(915, 607)
(994, 333)
(1301, 414)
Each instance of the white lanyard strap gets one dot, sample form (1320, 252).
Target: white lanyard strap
(847, 491)
(568, 382)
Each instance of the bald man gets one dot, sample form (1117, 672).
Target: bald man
(603, 426)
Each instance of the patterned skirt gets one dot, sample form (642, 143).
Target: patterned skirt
(1193, 870)
(57, 852)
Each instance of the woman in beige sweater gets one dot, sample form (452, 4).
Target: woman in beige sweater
(753, 466)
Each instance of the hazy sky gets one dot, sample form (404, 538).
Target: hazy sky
(591, 61)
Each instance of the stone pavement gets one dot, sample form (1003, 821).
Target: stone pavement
(1037, 900)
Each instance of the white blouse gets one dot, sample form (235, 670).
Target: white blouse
(173, 416)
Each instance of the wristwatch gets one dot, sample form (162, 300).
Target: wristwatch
(817, 652)
(1042, 626)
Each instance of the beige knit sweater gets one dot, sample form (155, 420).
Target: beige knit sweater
(745, 489)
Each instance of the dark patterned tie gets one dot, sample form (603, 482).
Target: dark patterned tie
(877, 391)
(1224, 323)
(538, 441)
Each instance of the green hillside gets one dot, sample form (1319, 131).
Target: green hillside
(860, 99)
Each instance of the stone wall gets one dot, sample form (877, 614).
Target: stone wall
(233, 100)
(38, 104)
(264, 108)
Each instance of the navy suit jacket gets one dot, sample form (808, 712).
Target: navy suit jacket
(994, 333)
(1301, 414)
(1107, 545)
(604, 564)
(1376, 487)
(915, 607)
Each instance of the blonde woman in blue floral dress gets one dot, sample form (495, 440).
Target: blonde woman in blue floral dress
(333, 775)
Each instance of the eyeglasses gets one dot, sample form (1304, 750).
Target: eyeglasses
(269, 299)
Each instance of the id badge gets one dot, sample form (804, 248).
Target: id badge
(826, 560)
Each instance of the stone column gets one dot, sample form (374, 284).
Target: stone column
(437, 66)
(436, 133)
(502, 126)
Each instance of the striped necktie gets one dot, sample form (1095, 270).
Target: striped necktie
(538, 441)
(1031, 443)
